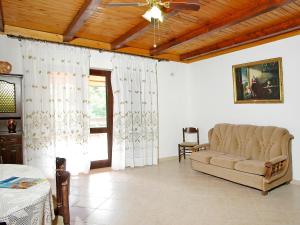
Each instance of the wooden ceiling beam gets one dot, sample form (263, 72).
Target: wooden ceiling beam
(1, 19)
(130, 34)
(262, 6)
(137, 30)
(265, 33)
(88, 8)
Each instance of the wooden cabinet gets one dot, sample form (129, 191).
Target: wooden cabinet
(11, 148)
(11, 111)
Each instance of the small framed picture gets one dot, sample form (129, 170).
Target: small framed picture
(258, 82)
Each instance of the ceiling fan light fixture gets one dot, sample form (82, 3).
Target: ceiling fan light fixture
(154, 13)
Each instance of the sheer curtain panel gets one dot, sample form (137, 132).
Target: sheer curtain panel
(135, 129)
(56, 119)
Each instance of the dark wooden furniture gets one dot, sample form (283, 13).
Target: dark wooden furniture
(11, 110)
(63, 179)
(186, 147)
(62, 190)
(11, 148)
(60, 166)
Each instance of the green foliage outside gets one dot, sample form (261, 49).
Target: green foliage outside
(97, 99)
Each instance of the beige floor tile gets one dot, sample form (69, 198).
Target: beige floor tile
(103, 217)
(80, 213)
(89, 202)
(116, 204)
(174, 194)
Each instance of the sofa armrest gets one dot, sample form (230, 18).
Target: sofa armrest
(275, 166)
(201, 147)
(278, 159)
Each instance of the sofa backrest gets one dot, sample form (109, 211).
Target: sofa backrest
(254, 142)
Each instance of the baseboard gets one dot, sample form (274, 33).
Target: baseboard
(163, 159)
(297, 182)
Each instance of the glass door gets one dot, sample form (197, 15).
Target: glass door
(100, 112)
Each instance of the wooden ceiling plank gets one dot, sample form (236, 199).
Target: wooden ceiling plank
(88, 8)
(269, 32)
(137, 30)
(263, 6)
(1, 19)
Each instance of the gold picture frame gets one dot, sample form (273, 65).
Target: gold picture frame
(258, 82)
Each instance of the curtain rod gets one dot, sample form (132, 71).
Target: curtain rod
(67, 44)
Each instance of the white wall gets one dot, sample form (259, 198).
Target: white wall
(211, 90)
(171, 94)
(10, 51)
(172, 100)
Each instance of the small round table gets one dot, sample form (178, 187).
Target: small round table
(31, 206)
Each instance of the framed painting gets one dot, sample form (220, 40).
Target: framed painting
(258, 82)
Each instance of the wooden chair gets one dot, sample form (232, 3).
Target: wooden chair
(186, 147)
(63, 210)
(60, 166)
(62, 191)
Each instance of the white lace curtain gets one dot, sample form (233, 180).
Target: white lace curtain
(56, 119)
(135, 129)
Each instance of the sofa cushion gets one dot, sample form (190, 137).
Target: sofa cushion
(226, 160)
(204, 156)
(251, 166)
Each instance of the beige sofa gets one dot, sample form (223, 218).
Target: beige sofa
(255, 156)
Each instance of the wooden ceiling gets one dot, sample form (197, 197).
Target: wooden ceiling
(220, 26)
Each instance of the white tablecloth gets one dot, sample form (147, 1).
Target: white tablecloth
(31, 206)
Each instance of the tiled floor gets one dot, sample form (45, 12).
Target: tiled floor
(174, 194)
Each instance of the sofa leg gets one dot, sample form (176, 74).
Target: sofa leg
(288, 182)
(179, 155)
(264, 193)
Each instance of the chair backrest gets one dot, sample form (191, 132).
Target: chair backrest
(61, 164)
(190, 130)
(63, 185)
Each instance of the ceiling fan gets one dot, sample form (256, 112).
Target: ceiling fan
(157, 7)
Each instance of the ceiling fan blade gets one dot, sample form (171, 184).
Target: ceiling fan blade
(193, 5)
(120, 4)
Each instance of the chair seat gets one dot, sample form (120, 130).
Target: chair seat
(251, 166)
(205, 156)
(188, 144)
(226, 160)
